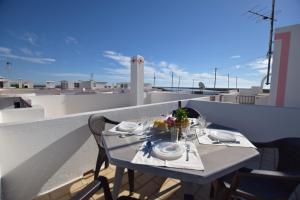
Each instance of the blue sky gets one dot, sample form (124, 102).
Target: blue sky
(68, 40)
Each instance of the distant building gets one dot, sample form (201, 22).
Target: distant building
(67, 85)
(90, 85)
(50, 84)
(4, 83)
(101, 85)
(20, 84)
(27, 84)
(123, 85)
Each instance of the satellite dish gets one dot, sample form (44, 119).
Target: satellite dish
(201, 86)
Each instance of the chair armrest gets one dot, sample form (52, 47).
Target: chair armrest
(87, 192)
(269, 174)
(106, 120)
(264, 144)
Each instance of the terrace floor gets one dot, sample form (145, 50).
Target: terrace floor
(146, 187)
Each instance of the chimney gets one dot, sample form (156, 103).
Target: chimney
(137, 80)
(284, 91)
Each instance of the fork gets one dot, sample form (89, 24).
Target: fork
(188, 148)
(228, 142)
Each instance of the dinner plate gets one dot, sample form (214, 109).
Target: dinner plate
(127, 126)
(168, 150)
(221, 135)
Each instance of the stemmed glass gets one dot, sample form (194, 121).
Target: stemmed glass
(202, 123)
(146, 122)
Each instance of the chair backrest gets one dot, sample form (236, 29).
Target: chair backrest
(289, 154)
(190, 112)
(97, 125)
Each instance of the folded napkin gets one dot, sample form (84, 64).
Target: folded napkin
(194, 161)
(115, 130)
(203, 138)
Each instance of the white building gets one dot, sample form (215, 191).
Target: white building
(67, 85)
(88, 84)
(101, 85)
(50, 84)
(4, 83)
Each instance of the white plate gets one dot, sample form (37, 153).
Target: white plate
(127, 126)
(168, 150)
(221, 135)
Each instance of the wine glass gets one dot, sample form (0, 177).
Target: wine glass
(202, 123)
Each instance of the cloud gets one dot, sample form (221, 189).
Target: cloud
(260, 65)
(235, 56)
(71, 40)
(26, 51)
(6, 52)
(237, 66)
(30, 37)
(74, 74)
(163, 71)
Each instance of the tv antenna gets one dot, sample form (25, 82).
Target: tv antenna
(8, 66)
(271, 19)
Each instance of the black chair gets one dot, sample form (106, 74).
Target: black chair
(100, 182)
(97, 125)
(265, 184)
(190, 112)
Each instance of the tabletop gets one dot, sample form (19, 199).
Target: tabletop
(217, 160)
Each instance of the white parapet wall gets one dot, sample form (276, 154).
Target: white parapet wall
(39, 156)
(156, 97)
(258, 122)
(60, 105)
(22, 114)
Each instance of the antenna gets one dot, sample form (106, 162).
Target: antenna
(172, 80)
(215, 77)
(8, 66)
(178, 82)
(271, 18)
(236, 79)
(92, 76)
(193, 86)
(228, 80)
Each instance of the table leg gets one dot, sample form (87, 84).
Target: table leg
(187, 190)
(118, 181)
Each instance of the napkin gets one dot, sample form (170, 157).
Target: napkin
(114, 130)
(194, 161)
(205, 139)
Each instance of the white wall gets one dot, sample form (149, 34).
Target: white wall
(157, 97)
(22, 114)
(39, 156)
(258, 123)
(36, 157)
(59, 105)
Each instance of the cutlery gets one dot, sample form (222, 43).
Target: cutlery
(126, 135)
(149, 148)
(224, 142)
(188, 148)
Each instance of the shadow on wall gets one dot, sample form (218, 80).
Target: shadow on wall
(42, 165)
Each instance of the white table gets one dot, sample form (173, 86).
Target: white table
(217, 160)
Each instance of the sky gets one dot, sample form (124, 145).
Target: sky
(68, 40)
